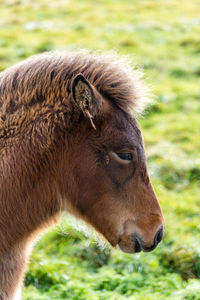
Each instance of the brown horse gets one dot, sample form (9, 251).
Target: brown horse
(69, 142)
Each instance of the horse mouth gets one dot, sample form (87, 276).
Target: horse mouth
(133, 242)
(136, 246)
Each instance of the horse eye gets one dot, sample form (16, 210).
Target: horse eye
(125, 156)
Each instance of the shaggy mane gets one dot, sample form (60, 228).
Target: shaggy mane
(52, 73)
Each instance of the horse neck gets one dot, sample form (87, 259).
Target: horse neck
(29, 194)
(12, 265)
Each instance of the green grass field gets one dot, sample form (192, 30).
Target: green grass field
(163, 38)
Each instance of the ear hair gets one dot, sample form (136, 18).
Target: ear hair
(83, 95)
(90, 118)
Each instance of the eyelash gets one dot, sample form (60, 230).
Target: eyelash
(125, 156)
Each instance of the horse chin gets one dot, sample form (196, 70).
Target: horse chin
(128, 247)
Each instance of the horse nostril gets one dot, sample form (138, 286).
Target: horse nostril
(159, 235)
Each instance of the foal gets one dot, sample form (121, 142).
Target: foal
(68, 142)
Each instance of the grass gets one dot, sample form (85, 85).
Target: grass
(163, 38)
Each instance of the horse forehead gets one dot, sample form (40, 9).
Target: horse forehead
(123, 128)
(125, 122)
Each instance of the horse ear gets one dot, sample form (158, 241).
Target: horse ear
(83, 95)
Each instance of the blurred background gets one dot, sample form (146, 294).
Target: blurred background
(163, 38)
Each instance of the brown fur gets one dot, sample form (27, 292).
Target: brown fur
(52, 159)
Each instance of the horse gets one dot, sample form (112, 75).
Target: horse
(70, 141)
